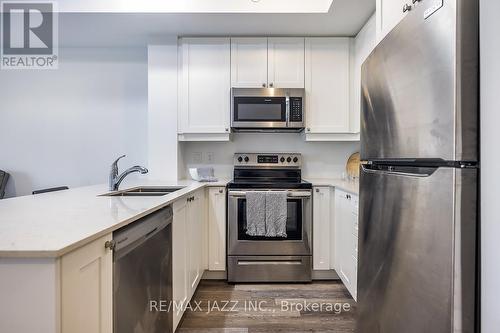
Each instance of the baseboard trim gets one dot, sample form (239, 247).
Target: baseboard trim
(325, 275)
(316, 275)
(214, 275)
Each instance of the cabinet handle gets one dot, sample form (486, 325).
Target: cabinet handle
(317, 190)
(309, 129)
(221, 191)
(227, 129)
(110, 245)
(271, 84)
(406, 8)
(263, 85)
(415, 1)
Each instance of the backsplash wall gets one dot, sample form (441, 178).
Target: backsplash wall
(320, 159)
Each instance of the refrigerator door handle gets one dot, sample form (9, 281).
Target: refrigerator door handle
(398, 171)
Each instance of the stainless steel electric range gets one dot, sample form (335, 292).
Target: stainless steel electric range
(269, 259)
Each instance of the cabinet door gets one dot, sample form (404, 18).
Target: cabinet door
(249, 62)
(344, 252)
(327, 85)
(321, 228)
(217, 229)
(389, 14)
(195, 240)
(204, 85)
(87, 289)
(179, 259)
(285, 62)
(194, 248)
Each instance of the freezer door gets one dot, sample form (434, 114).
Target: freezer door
(420, 87)
(416, 268)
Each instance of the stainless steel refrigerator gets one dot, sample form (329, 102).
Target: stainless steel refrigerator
(419, 177)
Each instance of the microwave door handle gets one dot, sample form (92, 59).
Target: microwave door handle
(287, 108)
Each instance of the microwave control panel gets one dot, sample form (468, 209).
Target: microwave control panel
(296, 109)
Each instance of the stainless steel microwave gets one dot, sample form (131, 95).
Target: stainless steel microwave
(267, 109)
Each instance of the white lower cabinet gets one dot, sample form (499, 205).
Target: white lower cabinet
(346, 239)
(194, 215)
(321, 228)
(217, 228)
(87, 289)
(179, 258)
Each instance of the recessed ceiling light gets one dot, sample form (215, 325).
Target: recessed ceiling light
(255, 0)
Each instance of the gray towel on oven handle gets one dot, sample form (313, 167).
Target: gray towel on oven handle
(276, 213)
(256, 213)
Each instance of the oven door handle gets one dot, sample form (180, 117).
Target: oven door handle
(290, 194)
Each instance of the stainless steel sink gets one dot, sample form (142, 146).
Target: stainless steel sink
(145, 191)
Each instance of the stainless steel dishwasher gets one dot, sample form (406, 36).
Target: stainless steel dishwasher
(142, 275)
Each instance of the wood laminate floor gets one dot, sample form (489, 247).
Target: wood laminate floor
(219, 307)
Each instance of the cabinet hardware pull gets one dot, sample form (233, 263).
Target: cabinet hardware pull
(415, 1)
(406, 8)
(317, 190)
(221, 191)
(263, 85)
(110, 245)
(271, 84)
(227, 129)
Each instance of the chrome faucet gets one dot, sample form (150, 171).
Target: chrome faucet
(115, 179)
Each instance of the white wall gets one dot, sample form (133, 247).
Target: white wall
(490, 161)
(162, 111)
(65, 127)
(363, 44)
(321, 159)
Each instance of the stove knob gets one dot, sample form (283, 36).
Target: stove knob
(289, 159)
(247, 159)
(295, 160)
(240, 159)
(282, 160)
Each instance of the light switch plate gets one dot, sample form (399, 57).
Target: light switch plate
(210, 157)
(197, 158)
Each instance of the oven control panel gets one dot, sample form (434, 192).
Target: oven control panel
(276, 160)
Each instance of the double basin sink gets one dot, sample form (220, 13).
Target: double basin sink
(145, 191)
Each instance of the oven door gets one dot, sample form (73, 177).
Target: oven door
(259, 112)
(298, 225)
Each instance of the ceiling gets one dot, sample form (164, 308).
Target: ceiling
(344, 18)
(195, 6)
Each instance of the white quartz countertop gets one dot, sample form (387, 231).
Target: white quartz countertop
(345, 185)
(52, 224)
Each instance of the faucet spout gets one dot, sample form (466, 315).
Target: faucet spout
(115, 179)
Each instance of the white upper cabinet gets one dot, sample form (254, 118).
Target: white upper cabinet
(285, 62)
(267, 62)
(389, 14)
(249, 62)
(204, 86)
(327, 85)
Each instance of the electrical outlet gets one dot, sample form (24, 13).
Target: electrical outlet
(210, 157)
(197, 158)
